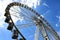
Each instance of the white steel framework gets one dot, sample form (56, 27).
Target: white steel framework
(27, 17)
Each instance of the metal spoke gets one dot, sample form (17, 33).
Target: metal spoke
(23, 15)
(32, 22)
(21, 12)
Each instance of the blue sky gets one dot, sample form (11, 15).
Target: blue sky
(49, 9)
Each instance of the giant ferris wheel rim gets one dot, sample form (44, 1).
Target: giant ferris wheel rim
(25, 6)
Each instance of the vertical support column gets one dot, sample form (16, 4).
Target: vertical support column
(44, 34)
(15, 39)
(53, 33)
(36, 33)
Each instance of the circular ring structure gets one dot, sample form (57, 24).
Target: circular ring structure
(30, 16)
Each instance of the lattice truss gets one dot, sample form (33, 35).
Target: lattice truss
(26, 24)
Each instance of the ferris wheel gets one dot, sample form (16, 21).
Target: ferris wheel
(26, 24)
